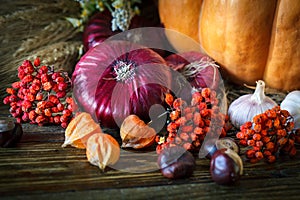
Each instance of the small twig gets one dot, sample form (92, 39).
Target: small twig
(159, 116)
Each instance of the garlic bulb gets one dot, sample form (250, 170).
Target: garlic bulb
(291, 103)
(247, 106)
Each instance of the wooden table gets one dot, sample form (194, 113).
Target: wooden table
(39, 168)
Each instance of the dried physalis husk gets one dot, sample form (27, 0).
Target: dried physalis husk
(80, 129)
(102, 150)
(135, 133)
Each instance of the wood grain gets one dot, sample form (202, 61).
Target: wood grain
(40, 168)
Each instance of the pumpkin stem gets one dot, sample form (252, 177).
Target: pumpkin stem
(124, 71)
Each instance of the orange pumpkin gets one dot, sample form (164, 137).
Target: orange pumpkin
(181, 16)
(251, 40)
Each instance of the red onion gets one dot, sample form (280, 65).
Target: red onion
(199, 69)
(99, 29)
(118, 78)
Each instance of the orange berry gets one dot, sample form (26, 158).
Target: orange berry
(259, 155)
(169, 99)
(256, 136)
(271, 159)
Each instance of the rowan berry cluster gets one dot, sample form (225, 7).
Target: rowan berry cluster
(41, 95)
(189, 124)
(270, 133)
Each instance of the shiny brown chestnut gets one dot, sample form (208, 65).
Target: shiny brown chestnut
(226, 167)
(10, 132)
(176, 162)
(212, 146)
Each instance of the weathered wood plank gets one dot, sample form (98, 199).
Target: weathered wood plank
(40, 168)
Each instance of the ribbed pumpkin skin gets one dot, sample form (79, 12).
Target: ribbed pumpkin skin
(181, 16)
(252, 40)
(283, 67)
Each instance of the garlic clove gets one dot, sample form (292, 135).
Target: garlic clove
(244, 108)
(291, 103)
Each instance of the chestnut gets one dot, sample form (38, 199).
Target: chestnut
(226, 167)
(176, 162)
(228, 143)
(212, 146)
(10, 132)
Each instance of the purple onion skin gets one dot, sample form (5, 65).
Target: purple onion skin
(109, 101)
(205, 78)
(98, 29)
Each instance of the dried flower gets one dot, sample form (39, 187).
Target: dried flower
(102, 150)
(122, 12)
(135, 133)
(79, 130)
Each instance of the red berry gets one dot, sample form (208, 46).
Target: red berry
(48, 112)
(26, 63)
(49, 104)
(25, 117)
(256, 136)
(54, 110)
(12, 98)
(6, 100)
(29, 69)
(16, 104)
(27, 79)
(61, 94)
(62, 86)
(69, 100)
(47, 86)
(32, 115)
(10, 91)
(55, 87)
(32, 90)
(37, 62)
(44, 78)
(37, 82)
(60, 107)
(64, 118)
(70, 107)
(16, 85)
(271, 159)
(29, 97)
(39, 96)
(26, 105)
(64, 125)
(43, 70)
(40, 119)
(59, 79)
(41, 104)
(26, 97)
(55, 75)
(18, 111)
(54, 99)
(56, 119)
(21, 74)
(67, 112)
(15, 115)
